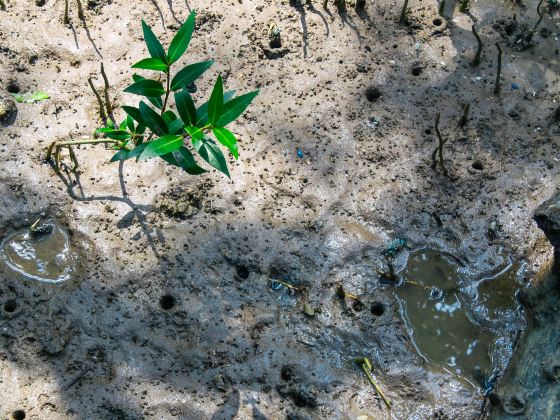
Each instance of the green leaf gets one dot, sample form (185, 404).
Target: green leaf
(146, 87)
(195, 132)
(151, 64)
(185, 107)
(154, 46)
(212, 154)
(176, 126)
(134, 113)
(182, 39)
(216, 101)
(226, 137)
(122, 125)
(137, 151)
(202, 111)
(155, 100)
(189, 74)
(234, 108)
(130, 123)
(186, 161)
(118, 134)
(153, 120)
(31, 97)
(120, 155)
(162, 146)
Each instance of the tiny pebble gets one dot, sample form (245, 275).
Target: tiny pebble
(299, 153)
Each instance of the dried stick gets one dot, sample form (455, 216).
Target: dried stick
(66, 18)
(465, 114)
(106, 93)
(438, 152)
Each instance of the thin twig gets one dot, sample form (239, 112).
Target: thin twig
(438, 152)
(465, 115)
(476, 60)
(108, 104)
(441, 8)
(80, 11)
(66, 18)
(499, 72)
(403, 12)
(99, 101)
(540, 15)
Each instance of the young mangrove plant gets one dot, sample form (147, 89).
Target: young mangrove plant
(66, 18)
(476, 60)
(437, 154)
(156, 131)
(499, 71)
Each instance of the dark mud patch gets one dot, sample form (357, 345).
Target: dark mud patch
(184, 202)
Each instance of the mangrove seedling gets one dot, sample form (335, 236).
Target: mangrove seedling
(402, 18)
(499, 71)
(437, 155)
(441, 9)
(476, 60)
(157, 131)
(81, 16)
(464, 6)
(465, 115)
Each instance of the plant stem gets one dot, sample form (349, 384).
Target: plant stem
(360, 5)
(476, 60)
(166, 91)
(88, 141)
(499, 72)
(325, 5)
(441, 8)
(2, 5)
(66, 18)
(463, 7)
(402, 18)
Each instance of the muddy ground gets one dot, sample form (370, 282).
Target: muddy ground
(170, 312)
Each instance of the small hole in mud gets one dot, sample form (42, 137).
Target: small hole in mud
(10, 306)
(428, 131)
(18, 415)
(167, 302)
(477, 164)
(358, 306)
(377, 308)
(416, 71)
(437, 22)
(13, 87)
(242, 272)
(373, 93)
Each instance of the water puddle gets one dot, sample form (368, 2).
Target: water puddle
(41, 253)
(461, 323)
